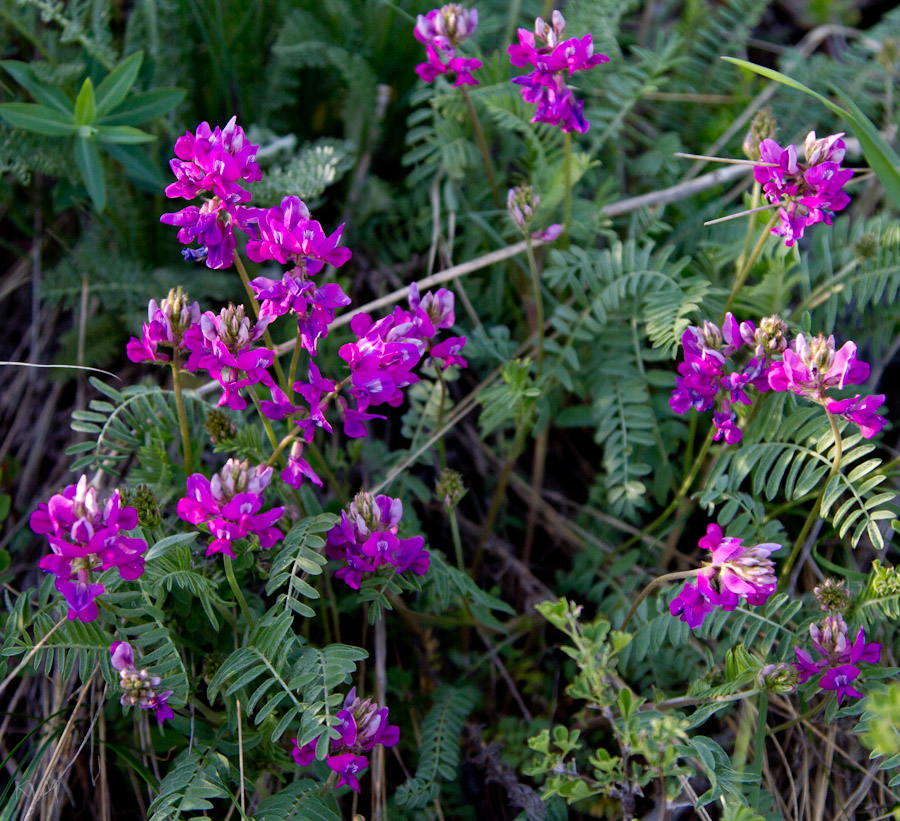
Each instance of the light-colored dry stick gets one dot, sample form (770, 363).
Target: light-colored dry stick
(30, 655)
(726, 160)
(825, 775)
(746, 213)
(38, 792)
(686, 786)
(240, 756)
(626, 206)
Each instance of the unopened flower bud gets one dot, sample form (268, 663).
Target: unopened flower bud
(522, 204)
(817, 355)
(831, 635)
(826, 149)
(780, 678)
(771, 336)
(832, 596)
(762, 127)
(219, 426)
(146, 502)
(449, 488)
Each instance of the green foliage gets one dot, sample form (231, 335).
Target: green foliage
(299, 800)
(881, 598)
(512, 400)
(94, 119)
(797, 457)
(300, 558)
(136, 415)
(193, 781)
(439, 749)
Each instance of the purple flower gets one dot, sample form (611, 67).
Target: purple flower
(808, 192)
(366, 539)
(86, 538)
(811, 368)
(298, 468)
(229, 506)
(805, 665)
(733, 572)
(211, 226)
(462, 67)
(222, 345)
(840, 679)
(441, 31)
(861, 411)
(545, 86)
(287, 234)
(447, 352)
(139, 688)
(213, 161)
(446, 27)
(693, 605)
(166, 325)
(362, 725)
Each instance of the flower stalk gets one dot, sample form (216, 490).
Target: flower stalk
(182, 416)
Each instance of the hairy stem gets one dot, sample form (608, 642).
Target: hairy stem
(814, 513)
(668, 577)
(292, 370)
(266, 424)
(482, 147)
(182, 417)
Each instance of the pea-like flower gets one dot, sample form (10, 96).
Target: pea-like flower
(167, 323)
(229, 505)
(86, 538)
(139, 688)
(442, 31)
(733, 572)
(363, 725)
(366, 539)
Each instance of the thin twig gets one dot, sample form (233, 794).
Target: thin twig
(31, 654)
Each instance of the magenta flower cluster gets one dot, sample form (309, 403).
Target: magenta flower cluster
(733, 572)
(806, 193)
(716, 370)
(288, 236)
(139, 688)
(366, 539)
(442, 31)
(211, 164)
(551, 59)
(166, 325)
(381, 362)
(716, 373)
(839, 658)
(362, 725)
(85, 539)
(229, 505)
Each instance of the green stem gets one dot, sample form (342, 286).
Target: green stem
(814, 513)
(266, 424)
(238, 593)
(270, 344)
(748, 238)
(482, 147)
(182, 417)
(457, 541)
(538, 302)
(292, 370)
(760, 747)
(744, 272)
(668, 577)
(567, 165)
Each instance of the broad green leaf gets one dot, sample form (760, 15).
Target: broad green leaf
(87, 156)
(85, 104)
(139, 108)
(883, 159)
(118, 83)
(45, 94)
(38, 118)
(138, 165)
(123, 135)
